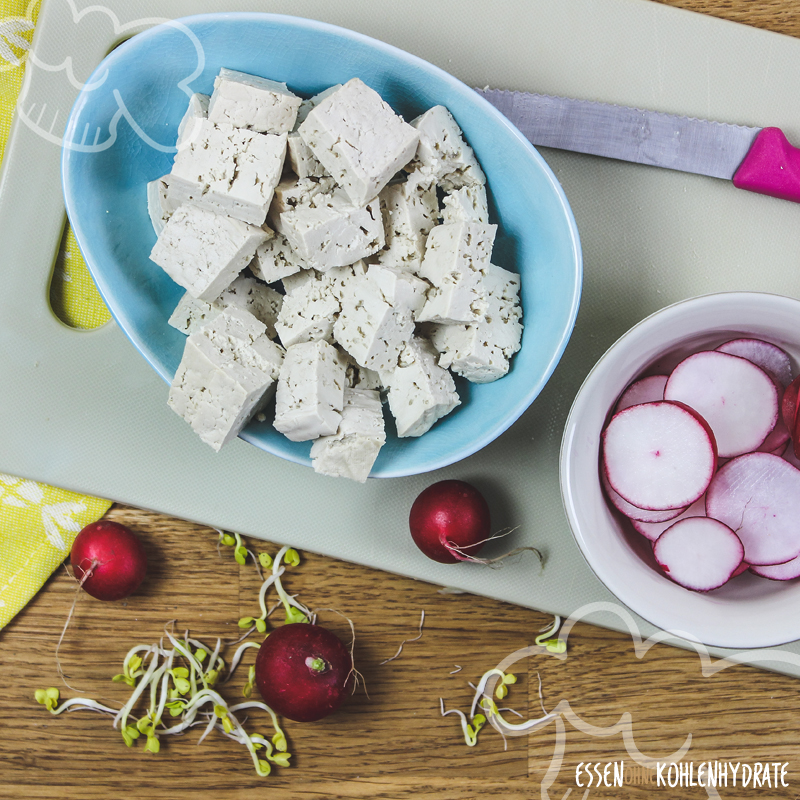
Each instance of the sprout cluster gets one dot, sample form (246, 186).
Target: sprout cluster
(177, 681)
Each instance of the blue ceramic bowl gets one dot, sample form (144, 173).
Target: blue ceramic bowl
(121, 134)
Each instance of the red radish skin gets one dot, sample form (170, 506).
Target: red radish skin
(758, 496)
(109, 560)
(450, 521)
(644, 390)
(771, 358)
(741, 569)
(699, 553)
(789, 404)
(303, 671)
(659, 456)
(735, 397)
(637, 514)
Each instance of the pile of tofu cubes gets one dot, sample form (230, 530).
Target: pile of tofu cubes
(334, 256)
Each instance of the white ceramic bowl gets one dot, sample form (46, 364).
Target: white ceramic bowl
(748, 611)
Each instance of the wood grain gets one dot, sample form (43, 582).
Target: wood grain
(392, 743)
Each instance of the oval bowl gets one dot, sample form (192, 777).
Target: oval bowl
(121, 134)
(747, 611)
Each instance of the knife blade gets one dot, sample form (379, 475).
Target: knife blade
(756, 159)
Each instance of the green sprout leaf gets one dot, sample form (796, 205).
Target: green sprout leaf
(152, 745)
(47, 697)
(292, 557)
(509, 678)
(261, 625)
(264, 768)
(265, 559)
(295, 615)
(220, 711)
(180, 672)
(246, 622)
(501, 691)
(282, 759)
(240, 554)
(200, 654)
(182, 685)
(211, 677)
(227, 539)
(279, 740)
(144, 724)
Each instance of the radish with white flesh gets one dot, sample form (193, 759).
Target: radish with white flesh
(659, 456)
(737, 399)
(779, 572)
(774, 361)
(637, 514)
(699, 553)
(645, 390)
(652, 530)
(758, 496)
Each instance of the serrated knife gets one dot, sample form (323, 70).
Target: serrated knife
(757, 159)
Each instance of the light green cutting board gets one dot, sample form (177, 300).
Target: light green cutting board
(82, 410)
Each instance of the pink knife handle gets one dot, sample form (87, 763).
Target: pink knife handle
(771, 167)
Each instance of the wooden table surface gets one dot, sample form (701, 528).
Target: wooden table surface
(392, 743)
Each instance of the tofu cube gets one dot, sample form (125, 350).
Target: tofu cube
(410, 210)
(290, 193)
(370, 329)
(203, 251)
(302, 160)
(276, 259)
(189, 126)
(403, 290)
(352, 450)
(226, 376)
(420, 391)
(248, 101)
(359, 140)
(330, 231)
(231, 170)
(443, 155)
(310, 392)
(245, 292)
(481, 352)
(307, 313)
(157, 203)
(467, 204)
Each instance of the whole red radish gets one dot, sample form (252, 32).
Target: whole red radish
(303, 671)
(109, 560)
(450, 521)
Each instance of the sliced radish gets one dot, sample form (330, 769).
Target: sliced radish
(779, 572)
(758, 496)
(645, 390)
(737, 399)
(777, 439)
(789, 403)
(634, 513)
(659, 456)
(652, 530)
(774, 361)
(699, 553)
(743, 567)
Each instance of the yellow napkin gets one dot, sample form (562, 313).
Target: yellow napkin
(38, 523)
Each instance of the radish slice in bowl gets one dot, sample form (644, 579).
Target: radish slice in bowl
(645, 390)
(772, 359)
(779, 572)
(637, 514)
(659, 456)
(699, 553)
(737, 399)
(758, 496)
(652, 530)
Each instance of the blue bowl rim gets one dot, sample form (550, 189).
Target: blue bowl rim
(524, 402)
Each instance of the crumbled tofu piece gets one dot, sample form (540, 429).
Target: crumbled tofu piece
(276, 259)
(461, 297)
(370, 329)
(247, 101)
(402, 290)
(203, 251)
(352, 450)
(410, 210)
(420, 391)
(333, 232)
(442, 153)
(310, 392)
(157, 204)
(467, 204)
(297, 279)
(357, 377)
(226, 376)
(481, 352)
(341, 280)
(189, 126)
(359, 139)
(307, 313)
(290, 193)
(231, 170)
(248, 293)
